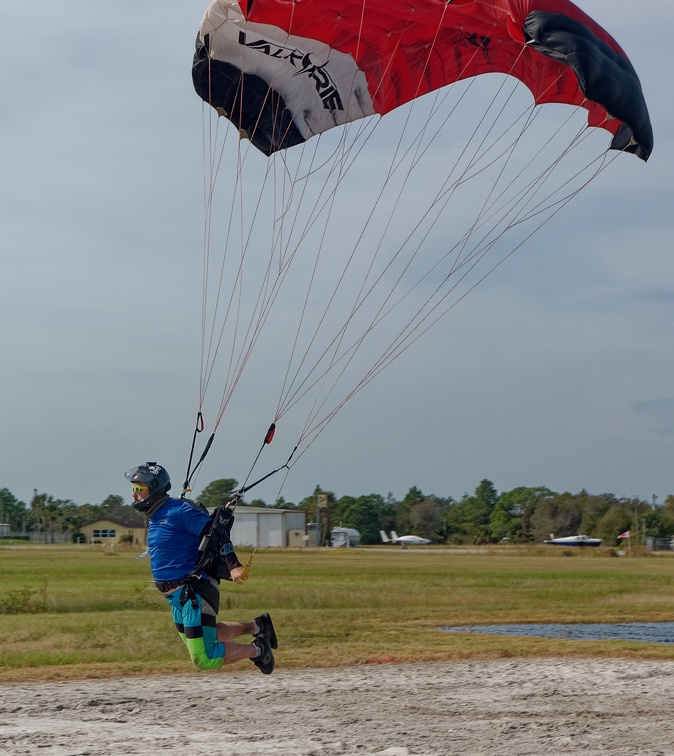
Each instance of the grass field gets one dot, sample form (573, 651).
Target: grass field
(75, 612)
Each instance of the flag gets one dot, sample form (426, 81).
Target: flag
(626, 534)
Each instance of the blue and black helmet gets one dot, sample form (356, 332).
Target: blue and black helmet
(152, 475)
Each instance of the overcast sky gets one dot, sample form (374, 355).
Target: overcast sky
(558, 371)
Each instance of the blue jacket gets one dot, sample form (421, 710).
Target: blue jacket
(173, 538)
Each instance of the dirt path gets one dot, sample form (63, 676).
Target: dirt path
(513, 708)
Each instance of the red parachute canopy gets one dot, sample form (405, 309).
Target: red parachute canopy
(284, 71)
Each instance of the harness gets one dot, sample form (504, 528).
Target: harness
(193, 586)
(216, 560)
(165, 586)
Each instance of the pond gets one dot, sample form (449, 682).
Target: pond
(644, 632)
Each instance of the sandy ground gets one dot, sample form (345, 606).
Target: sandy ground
(513, 707)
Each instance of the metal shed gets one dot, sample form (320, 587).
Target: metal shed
(265, 526)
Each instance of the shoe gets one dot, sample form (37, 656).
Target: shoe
(267, 628)
(265, 661)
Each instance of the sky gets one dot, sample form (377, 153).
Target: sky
(556, 371)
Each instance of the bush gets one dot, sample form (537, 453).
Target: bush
(24, 601)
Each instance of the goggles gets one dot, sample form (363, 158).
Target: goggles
(139, 489)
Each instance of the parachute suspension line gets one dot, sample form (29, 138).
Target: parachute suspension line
(330, 203)
(209, 173)
(357, 302)
(209, 183)
(198, 428)
(213, 343)
(212, 164)
(233, 299)
(547, 203)
(210, 169)
(311, 279)
(486, 243)
(517, 220)
(211, 352)
(474, 162)
(313, 432)
(527, 189)
(237, 362)
(394, 206)
(264, 313)
(265, 522)
(486, 201)
(327, 306)
(269, 435)
(266, 297)
(507, 211)
(331, 298)
(320, 206)
(244, 354)
(360, 300)
(536, 184)
(282, 272)
(192, 470)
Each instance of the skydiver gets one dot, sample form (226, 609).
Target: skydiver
(174, 533)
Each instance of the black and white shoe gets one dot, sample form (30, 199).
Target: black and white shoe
(266, 628)
(265, 661)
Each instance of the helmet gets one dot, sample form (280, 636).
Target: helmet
(152, 475)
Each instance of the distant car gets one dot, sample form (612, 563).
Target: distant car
(344, 538)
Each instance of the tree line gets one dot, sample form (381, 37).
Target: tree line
(521, 515)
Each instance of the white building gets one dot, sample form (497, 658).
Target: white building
(265, 526)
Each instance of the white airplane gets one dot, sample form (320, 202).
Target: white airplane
(579, 540)
(404, 541)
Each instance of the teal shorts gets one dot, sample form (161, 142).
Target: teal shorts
(195, 621)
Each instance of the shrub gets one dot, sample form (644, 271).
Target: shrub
(24, 601)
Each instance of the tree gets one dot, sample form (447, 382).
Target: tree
(12, 511)
(558, 516)
(470, 518)
(426, 517)
(364, 515)
(594, 507)
(281, 503)
(218, 492)
(668, 516)
(114, 506)
(46, 515)
(74, 518)
(403, 521)
(512, 513)
(91, 512)
(616, 520)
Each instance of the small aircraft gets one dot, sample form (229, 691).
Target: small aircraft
(579, 540)
(404, 541)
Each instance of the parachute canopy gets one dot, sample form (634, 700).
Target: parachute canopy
(283, 72)
(325, 263)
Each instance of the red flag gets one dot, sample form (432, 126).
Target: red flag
(626, 534)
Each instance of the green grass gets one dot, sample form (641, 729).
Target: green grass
(73, 612)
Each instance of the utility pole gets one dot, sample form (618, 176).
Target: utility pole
(321, 503)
